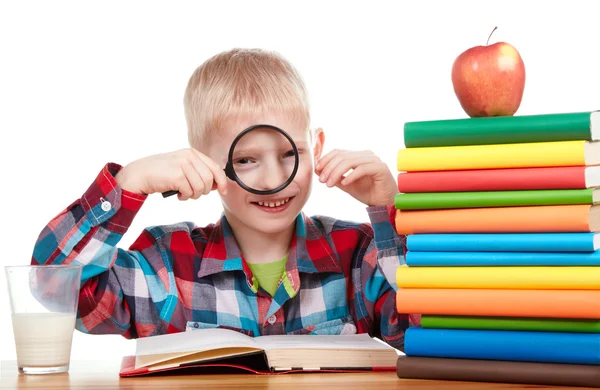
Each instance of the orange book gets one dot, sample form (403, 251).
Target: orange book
(521, 219)
(502, 303)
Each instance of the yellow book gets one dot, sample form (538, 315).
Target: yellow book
(523, 155)
(520, 277)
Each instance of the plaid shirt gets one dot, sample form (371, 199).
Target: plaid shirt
(339, 279)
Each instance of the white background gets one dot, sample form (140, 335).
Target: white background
(84, 83)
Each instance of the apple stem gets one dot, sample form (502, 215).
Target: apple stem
(488, 41)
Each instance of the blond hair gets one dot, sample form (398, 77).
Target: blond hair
(239, 82)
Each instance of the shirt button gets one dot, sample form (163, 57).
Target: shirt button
(106, 206)
(271, 320)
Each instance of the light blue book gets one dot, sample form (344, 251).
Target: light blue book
(490, 259)
(510, 242)
(519, 346)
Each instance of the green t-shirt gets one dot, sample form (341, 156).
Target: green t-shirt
(268, 275)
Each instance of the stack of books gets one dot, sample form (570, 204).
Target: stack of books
(503, 257)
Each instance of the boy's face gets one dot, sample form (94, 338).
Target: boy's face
(242, 207)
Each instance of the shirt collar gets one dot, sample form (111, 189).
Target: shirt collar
(309, 252)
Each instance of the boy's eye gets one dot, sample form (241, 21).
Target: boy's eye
(244, 160)
(289, 153)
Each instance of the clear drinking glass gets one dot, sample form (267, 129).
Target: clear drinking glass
(43, 301)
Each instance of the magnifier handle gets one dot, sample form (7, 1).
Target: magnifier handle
(169, 193)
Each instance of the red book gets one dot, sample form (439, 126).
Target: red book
(507, 179)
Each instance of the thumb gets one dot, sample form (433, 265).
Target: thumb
(221, 185)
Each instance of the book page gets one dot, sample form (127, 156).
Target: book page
(355, 341)
(204, 357)
(193, 341)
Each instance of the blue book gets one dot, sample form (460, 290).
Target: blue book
(510, 242)
(490, 259)
(545, 347)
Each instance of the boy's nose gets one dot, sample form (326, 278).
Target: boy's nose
(273, 176)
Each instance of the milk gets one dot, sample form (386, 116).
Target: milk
(43, 339)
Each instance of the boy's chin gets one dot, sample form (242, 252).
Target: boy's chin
(273, 228)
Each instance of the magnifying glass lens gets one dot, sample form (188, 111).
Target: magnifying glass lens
(263, 159)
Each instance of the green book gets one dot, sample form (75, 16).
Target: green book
(461, 200)
(503, 129)
(511, 323)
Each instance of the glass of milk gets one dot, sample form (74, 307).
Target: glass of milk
(43, 301)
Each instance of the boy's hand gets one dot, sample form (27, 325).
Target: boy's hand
(188, 171)
(371, 181)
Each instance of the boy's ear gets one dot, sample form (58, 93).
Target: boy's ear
(319, 142)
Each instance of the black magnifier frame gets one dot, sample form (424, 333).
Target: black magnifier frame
(230, 171)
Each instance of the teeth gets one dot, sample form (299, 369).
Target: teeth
(274, 204)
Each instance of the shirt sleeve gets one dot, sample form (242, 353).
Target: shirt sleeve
(384, 253)
(86, 233)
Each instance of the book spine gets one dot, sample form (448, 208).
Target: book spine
(542, 154)
(510, 323)
(524, 219)
(583, 304)
(507, 242)
(505, 277)
(494, 259)
(498, 371)
(546, 347)
(501, 179)
(457, 200)
(498, 130)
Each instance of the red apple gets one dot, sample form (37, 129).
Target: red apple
(489, 80)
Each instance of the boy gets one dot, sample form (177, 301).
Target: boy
(264, 268)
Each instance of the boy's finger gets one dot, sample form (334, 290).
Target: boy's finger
(205, 174)
(218, 175)
(194, 180)
(344, 165)
(221, 181)
(184, 187)
(359, 172)
(213, 166)
(323, 161)
(329, 162)
(354, 158)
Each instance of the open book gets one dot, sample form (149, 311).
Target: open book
(219, 348)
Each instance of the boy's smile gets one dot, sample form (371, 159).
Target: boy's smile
(273, 205)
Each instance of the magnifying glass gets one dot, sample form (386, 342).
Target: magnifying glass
(263, 159)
